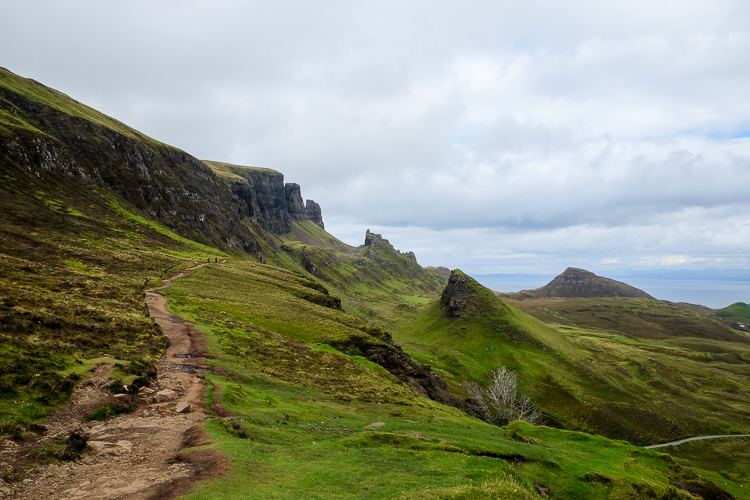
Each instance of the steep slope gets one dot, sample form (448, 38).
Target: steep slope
(47, 138)
(375, 281)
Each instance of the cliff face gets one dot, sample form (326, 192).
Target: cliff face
(263, 198)
(165, 183)
(46, 136)
(270, 202)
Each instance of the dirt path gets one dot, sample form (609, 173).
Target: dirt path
(134, 456)
(698, 438)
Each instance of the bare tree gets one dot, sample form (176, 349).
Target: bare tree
(499, 403)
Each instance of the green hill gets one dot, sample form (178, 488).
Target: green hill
(634, 369)
(574, 282)
(738, 312)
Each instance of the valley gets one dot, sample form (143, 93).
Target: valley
(313, 368)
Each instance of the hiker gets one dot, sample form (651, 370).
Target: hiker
(209, 260)
(216, 260)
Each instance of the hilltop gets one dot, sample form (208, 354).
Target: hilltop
(327, 368)
(574, 282)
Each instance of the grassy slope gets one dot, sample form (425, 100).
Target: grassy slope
(73, 271)
(607, 381)
(323, 424)
(57, 100)
(378, 284)
(739, 312)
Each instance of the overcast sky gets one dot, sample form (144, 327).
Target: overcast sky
(491, 136)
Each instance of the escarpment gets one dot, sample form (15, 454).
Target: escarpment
(273, 204)
(47, 137)
(72, 153)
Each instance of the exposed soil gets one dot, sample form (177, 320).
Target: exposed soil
(135, 455)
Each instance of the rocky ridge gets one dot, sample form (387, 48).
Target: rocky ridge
(45, 141)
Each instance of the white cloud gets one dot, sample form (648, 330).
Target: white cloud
(484, 135)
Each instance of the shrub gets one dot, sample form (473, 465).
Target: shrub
(500, 403)
(105, 412)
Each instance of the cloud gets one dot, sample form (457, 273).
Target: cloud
(494, 135)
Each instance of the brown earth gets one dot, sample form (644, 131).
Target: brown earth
(136, 455)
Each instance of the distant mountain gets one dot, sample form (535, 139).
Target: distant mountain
(574, 282)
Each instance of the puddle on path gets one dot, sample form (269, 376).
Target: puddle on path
(184, 368)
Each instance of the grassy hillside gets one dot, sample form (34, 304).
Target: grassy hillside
(738, 312)
(606, 376)
(374, 281)
(73, 272)
(311, 420)
(39, 93)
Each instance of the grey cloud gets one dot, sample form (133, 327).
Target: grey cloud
(490, 134)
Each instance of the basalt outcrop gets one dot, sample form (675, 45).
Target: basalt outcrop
(271, 203)
(62, 142)
(456, 297)
(72, 148)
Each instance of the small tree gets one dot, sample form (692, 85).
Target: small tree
(499, 403)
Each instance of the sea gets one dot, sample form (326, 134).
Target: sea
(715, 294)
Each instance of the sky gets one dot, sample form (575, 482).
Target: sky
(491, 136)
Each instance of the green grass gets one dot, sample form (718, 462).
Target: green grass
(71, 296)
(739, 312)
(378, 284)
(604, 376)
(311, 420)
(272, 299)
(105, 412)
(61, 102)
(232, 173)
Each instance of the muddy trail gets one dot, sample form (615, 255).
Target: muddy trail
(135, 455)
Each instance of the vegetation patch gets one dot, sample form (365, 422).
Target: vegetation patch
(108, 411)
(64, 449)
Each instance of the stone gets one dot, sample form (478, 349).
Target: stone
(164, 395)
(314, 213)
(182, 407)
(295, 205)
(106, 448)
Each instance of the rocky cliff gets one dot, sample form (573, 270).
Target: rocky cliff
(49, 137)
(272, 204)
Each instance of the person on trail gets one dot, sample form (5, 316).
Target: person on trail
(209, 260)
(216, 260)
